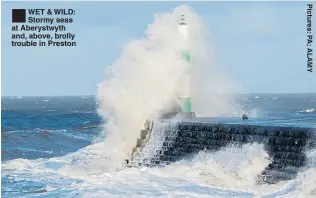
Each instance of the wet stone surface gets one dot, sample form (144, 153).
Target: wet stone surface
(285, 145)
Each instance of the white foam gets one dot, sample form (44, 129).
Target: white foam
(306, 180)
(231, 168)
(17, 164)
(230, 172)
(308, 111)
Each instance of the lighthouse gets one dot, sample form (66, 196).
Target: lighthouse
(185, 94)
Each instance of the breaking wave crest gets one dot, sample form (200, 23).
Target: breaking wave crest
(145, 77)
(230, 168)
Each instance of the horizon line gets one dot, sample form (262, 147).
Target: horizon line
(95, 95)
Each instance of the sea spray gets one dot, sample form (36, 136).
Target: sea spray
(233, 168)
(306, 179)
(160, 131)
(145, 77)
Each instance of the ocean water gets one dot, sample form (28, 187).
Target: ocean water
(56, 147)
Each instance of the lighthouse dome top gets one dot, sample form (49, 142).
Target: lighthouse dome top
(183, 26)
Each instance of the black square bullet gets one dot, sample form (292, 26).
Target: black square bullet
(18, 15)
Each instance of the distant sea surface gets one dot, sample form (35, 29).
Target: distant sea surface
(36, 127)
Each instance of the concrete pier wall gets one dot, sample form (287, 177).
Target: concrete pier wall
(167, 142)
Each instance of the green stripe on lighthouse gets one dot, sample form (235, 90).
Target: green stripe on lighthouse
(186, 101)
(187, 104)
(185, 55)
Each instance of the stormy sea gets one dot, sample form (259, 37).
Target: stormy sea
(55, 147)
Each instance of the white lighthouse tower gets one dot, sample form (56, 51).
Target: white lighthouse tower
(185, 94)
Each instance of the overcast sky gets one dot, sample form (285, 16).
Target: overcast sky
(262, 45)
